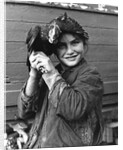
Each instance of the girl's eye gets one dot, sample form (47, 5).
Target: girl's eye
(60, 46)
(75, 42)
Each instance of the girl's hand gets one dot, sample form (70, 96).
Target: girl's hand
(41, 62)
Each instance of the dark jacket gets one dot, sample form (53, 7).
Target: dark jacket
(71, 118)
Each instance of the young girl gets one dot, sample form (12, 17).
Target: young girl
(65, 100)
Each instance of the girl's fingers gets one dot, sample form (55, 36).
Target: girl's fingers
(35, 55)
(32, 57)
(41, 61)
(39, 54)
(35, 58)
(39, 66)
(38, 60)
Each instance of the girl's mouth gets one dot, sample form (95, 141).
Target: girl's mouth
(71, 57)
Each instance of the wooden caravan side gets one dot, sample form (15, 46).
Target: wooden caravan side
(102, 27)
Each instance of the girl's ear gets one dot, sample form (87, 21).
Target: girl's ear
(85, 48)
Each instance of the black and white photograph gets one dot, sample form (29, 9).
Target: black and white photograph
(61, 74)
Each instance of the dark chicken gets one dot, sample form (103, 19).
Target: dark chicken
(43, 38)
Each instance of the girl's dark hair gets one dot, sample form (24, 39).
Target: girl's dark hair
(85, 41)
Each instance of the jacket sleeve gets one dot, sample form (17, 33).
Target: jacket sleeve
(27, 105)
(79, 98)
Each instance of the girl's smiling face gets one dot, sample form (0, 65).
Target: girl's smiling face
(70, 50)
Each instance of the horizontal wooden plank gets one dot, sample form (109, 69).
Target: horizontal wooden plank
(19, 71)
(109, 109)
(106, 69)
(11, 112)
(13, 91)
(108, 113)
(17, 52)
(17, 31)
(99, 53)
(102, 53)
(14, 86)
(111, 87)
(45, 14)
(12, 96)
(110, 99)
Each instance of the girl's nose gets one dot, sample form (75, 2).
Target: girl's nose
(69, 49)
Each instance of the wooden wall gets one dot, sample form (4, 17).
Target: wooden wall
(103, 48)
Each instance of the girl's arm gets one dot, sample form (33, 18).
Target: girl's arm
(28, 96)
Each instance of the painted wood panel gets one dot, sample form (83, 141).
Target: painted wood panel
(108, 108)
(103, 47)
(19, 71)
(41, 14)
(17, 31)
(11, 112)
(13, 92)
(17, 52)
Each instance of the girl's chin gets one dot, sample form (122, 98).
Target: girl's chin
(70, 63)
